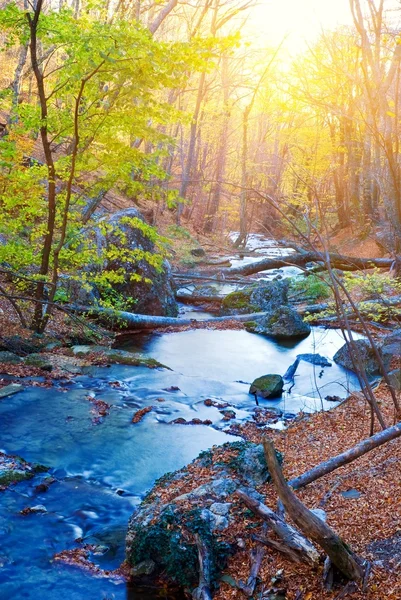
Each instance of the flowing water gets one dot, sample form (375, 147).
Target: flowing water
(102, 470)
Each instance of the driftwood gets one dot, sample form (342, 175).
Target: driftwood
(135, 321)
(203, 592)
(300, 259)
(346, 457)
(297, 546)
(314, 528)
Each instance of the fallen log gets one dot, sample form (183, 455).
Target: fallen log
(136, 321)
(298, 547)
(346, 457)
(301, 259)
(198, 299)
(340, 554)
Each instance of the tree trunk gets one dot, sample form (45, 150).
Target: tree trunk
(346, 457)
(314, 528)
(346, 263)
(134, 321)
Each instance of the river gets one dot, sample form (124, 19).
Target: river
(102, 470)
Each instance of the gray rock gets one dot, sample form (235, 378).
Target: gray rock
(390, 347)
(269, 295)
(267, 386)
(343, 357)
(10, 358)
(38, 361)
(285, 322)
(78, 292)
(215, 522)
(222, 488)
(8, 390)
(395, 379)
(220, 508)
(252, 466)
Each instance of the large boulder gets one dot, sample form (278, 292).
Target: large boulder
(161, 533)
(390, 347)
(264, 297)
(271, 294)
(282, 322)
(130, 246)
(344, 357)
(268, 386)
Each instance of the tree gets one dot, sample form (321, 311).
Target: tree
(97, 89)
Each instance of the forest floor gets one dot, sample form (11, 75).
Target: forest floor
(362, 502)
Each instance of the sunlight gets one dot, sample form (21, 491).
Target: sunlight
(298, 21)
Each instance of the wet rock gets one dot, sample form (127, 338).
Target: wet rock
(262, 416)
(282, 322)
(120, 357)
(14, 469)
(216, 404)
(39, 361)
(138, 416)
(267, 386)
(9, 358)
(153, 294)
(333, 398)
(238, 303)
(228, 415)
(264, 297)
(11, 389)
(195, 421)
(369, 361)
(29, 510)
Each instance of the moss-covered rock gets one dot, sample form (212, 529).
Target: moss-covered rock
(238, 303)
(283, 322)
(14, 469)
(9, 358)
(268, 386)
(120, 357)
(39, 361)
(163, 534)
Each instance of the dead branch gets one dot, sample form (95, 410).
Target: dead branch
(301, 549)
(346, 457)
(314, 528)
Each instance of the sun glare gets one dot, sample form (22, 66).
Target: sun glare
(298, 22)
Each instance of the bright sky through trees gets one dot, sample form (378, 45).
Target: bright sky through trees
(300, 21)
